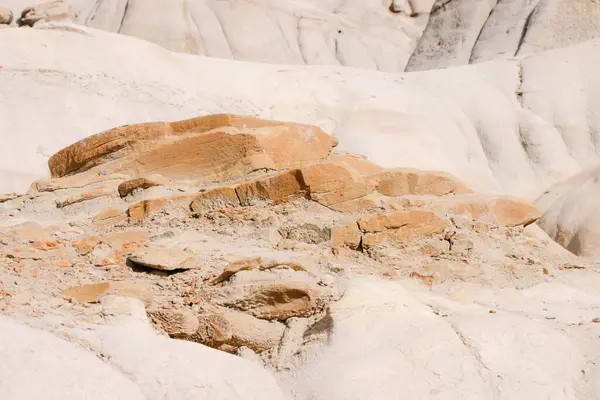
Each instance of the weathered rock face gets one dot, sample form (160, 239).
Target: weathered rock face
(505, 210)
(400, 226)
(265, 264)
(571, 213)
(175, 323)
(53, 10)
(6, 16)
(403, 182)
(205, 149)
(231, 330)
(269, 300)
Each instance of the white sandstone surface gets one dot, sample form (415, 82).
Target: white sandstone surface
(384, 35)
(480, 122)
(38, 365)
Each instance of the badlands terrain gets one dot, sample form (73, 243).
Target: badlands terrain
(300, 199)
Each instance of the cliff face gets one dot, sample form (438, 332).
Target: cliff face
(380, 35)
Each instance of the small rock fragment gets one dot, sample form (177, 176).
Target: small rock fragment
(6, 16)
(163, 258)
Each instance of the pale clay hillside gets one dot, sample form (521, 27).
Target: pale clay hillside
(300, 200)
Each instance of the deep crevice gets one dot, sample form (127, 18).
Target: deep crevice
(525, 28)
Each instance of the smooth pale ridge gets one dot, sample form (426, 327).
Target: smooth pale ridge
(391, 35)
(572, 213)
(37, 365)
(353, 33)
(172, 369)
(385, 342)
(468, 121)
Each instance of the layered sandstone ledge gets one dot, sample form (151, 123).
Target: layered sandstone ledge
(247, 235)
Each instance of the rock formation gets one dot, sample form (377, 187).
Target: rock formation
(194, 227)
(6, 16)
(257, 238)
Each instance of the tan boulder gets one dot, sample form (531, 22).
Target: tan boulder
(205, 149)
(284, 185)
(53, 10)
(503, 210)
(271, 300)
(141, 183)
(333, 185)
(175, 323)
(92, 293)
(163, 258)
(346, 236)
(143, 209)
(232, 329)
(6, 16)
(403, 182)
(215, 199)
(400, 226)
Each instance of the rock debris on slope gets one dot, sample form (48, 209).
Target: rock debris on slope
(318, 266)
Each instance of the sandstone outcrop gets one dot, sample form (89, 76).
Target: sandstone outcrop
(270, 300)
(175, 323)
(205, 149)
(269, 262)
(399, 226)
(502, 210)
(231, 330)
(466, 121)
